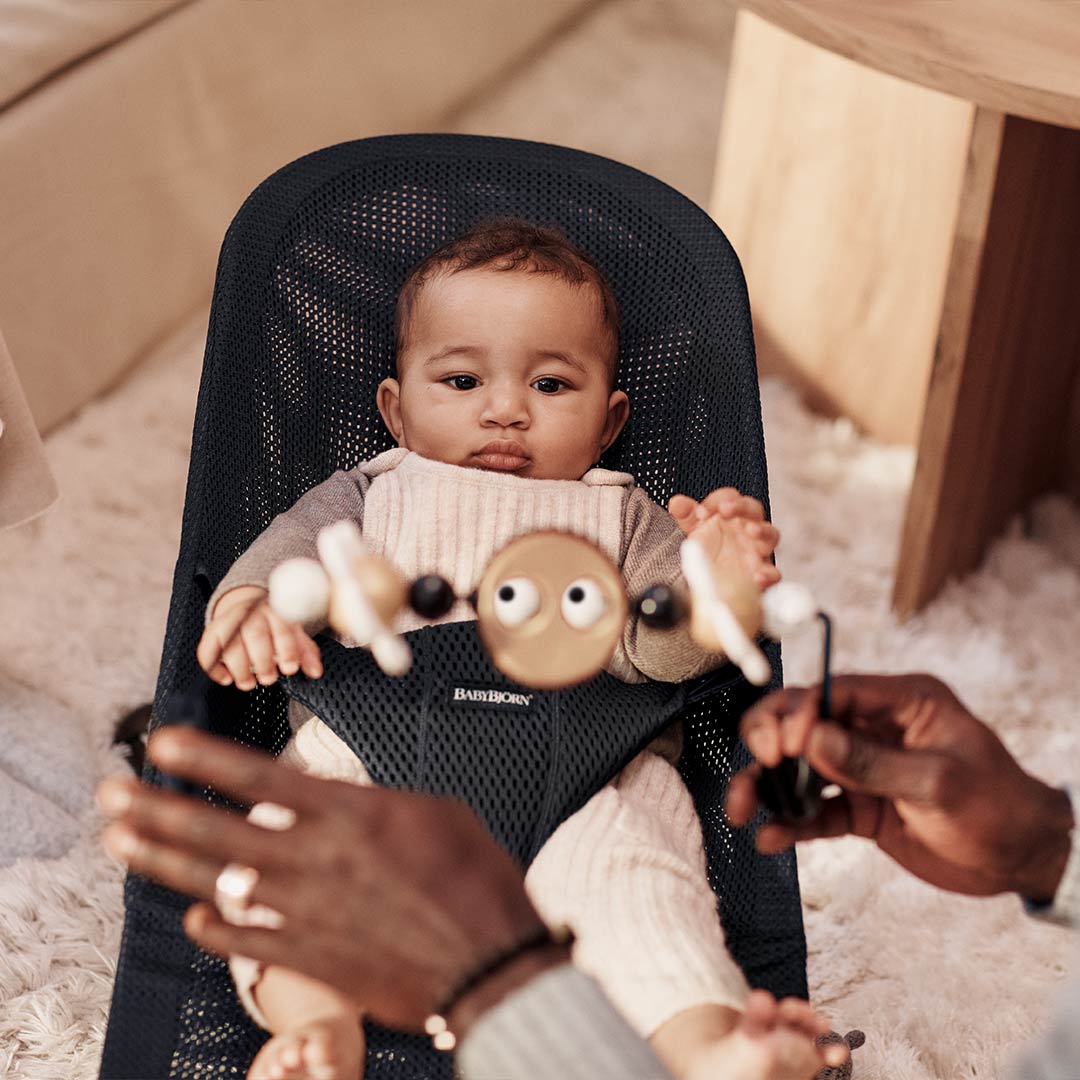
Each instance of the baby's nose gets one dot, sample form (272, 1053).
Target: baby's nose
(506, 406)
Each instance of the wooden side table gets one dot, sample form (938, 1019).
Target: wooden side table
(902, 183)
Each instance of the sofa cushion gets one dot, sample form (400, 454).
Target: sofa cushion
(39, 37)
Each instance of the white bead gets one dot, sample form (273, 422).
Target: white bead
(299, 590)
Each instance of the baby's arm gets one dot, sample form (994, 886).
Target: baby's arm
(652, 539)
(243, 638)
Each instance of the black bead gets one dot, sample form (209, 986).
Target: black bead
(431, 596)
(660, 607)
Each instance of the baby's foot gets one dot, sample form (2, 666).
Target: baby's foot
(327, 1049)
(770, 1041)
(732, 529)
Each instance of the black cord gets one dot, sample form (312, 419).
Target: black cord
(826, 668)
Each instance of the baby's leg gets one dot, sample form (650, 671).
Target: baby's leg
(628, 873)
(317, 1032)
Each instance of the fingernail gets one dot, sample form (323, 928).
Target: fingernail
(112, 799)
(290, 667)
(119, 844)
(226, 680)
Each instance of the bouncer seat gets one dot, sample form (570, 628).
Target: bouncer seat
(300, 335)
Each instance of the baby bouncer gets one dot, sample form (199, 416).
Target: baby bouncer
(300, 336)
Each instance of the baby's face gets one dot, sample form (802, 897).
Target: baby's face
(505, 370)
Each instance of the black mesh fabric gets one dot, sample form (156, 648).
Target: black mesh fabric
(300, 336)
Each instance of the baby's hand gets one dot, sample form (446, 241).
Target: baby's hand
(246, 640)
(733, 531)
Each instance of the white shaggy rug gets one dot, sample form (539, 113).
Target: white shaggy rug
(942, 986)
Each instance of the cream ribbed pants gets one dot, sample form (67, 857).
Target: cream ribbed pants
(627, 873)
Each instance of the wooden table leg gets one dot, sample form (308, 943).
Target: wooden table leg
(1008, 352)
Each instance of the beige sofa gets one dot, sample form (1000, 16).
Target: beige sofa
(131, 131)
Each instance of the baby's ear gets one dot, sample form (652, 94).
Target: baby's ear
(618, 411)
(388, 399)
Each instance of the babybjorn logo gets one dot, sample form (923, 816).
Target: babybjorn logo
(477, 696)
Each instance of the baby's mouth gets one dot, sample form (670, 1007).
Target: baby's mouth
(502, 455)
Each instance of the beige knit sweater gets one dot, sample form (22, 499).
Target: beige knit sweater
(628, 869)
(431, 517)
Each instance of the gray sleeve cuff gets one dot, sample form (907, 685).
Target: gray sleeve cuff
(1064, 909)
(558, 1025)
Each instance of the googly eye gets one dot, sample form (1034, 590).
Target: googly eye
(516, 601)
(583, 603)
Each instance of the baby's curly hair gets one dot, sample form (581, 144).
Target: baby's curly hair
(510, 243)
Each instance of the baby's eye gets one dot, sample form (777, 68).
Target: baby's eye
(549, 385)
(462, 382)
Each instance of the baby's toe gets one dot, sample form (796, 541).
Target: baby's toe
(291, 1055)
(273, 1061)
(333, 1052)
(321, 1055)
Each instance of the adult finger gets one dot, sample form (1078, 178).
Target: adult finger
(260, 647)
(863, 764)
(844, 815)
(780, 723)
(741, 801)
(888, 701)
(249, 776)
(163, 817)
(188, 873)
(205, 926)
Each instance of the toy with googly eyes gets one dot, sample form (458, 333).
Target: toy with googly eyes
(551, 608)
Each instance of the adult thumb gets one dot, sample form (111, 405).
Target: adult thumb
(868, 767)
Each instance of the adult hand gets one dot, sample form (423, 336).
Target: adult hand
(388, 896)
(933, 786)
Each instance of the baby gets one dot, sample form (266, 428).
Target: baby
(506, 345)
